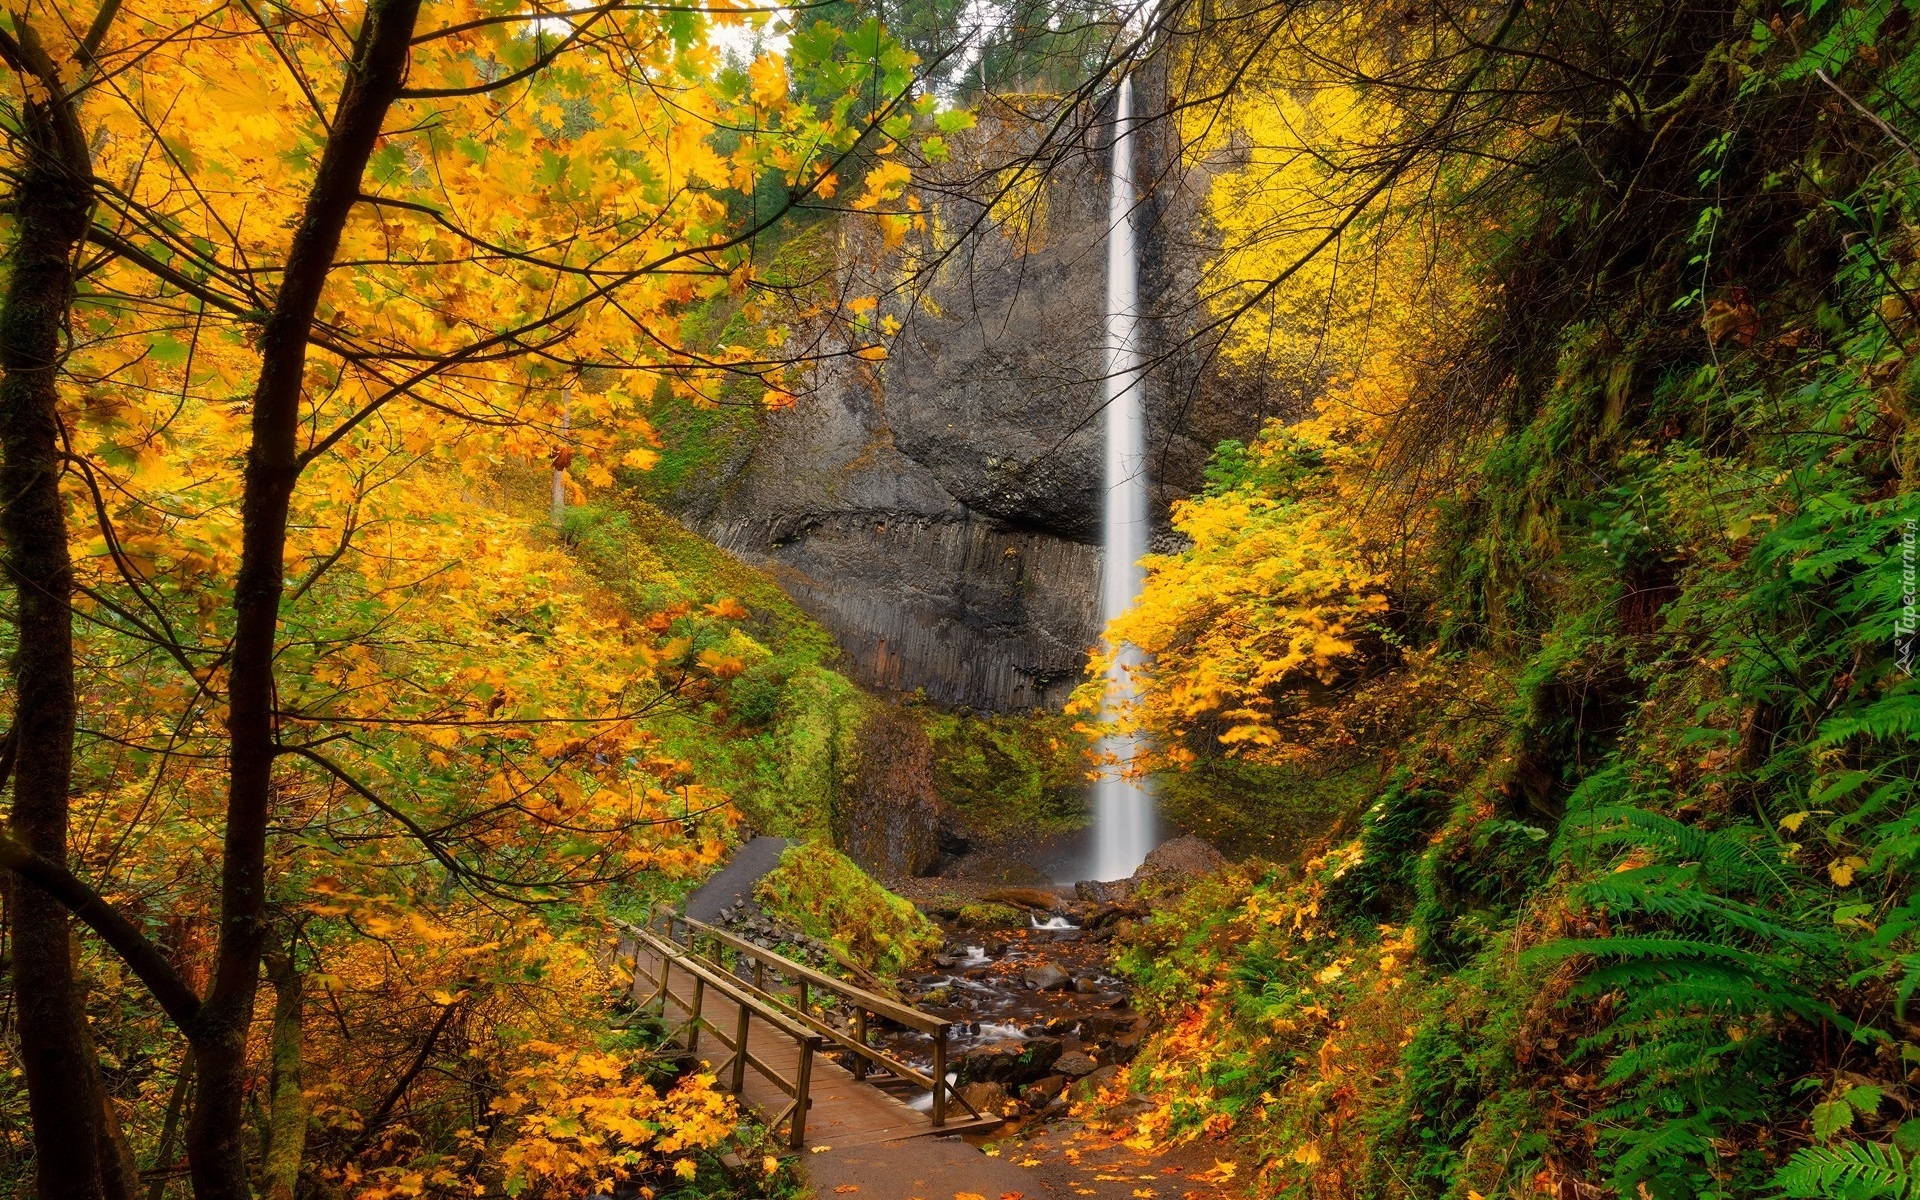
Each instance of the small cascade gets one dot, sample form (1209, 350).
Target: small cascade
(1123, 809)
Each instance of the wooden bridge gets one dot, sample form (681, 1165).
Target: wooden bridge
(775, 1020)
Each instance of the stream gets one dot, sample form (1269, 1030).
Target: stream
(1047, 980)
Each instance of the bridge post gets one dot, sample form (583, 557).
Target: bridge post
(802, 1085)
(860, 1036)
(940, 1078)
(693, 1014)
(740, 1050)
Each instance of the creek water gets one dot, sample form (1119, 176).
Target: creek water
(978, 982)
(1123, 808)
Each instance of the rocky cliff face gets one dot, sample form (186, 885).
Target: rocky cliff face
(940, 512)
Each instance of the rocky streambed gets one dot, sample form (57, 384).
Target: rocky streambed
(1039, 1017)
(1036, 1011)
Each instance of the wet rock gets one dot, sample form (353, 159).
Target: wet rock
(1026, 897)
(987, 1099)
(1093, 891)
(1075, 1065)
(1086, 985)
(1091, 1085)
(1123, 1048)
(1012, 1061)
(1183, 857)
(1045, 977)
(989, 866)
(1112, 914)
(1106, 1025)
(1042, 1091)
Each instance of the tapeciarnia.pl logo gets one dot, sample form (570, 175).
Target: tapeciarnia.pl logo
(1908, 621)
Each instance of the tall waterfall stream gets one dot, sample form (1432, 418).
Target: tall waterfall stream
(1123, 809)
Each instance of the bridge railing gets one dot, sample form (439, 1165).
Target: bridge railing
(862, 1003)
(747, 1005)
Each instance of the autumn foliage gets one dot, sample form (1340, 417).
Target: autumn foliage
(345, 758)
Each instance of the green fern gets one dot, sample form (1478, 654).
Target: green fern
(1852, 1171)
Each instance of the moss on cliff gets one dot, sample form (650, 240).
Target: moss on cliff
(811, 748)
(1010, 773)
(700, 439)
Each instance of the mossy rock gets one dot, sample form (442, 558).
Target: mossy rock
(991, 916)
(825, 895)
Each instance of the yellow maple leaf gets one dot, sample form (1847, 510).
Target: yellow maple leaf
(1842, 870)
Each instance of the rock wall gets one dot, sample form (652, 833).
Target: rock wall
(888, 819)
(940, 512)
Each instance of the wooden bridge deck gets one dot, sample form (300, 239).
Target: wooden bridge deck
(843, 1111)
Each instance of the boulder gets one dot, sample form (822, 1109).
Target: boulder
(1041, 1091)
(987, 1099)
(1091, 1085)
(1016, 1060)
(1109, 914)
(1075, 1065)
(984, 915)
(1046, 977)
(1086, 985)
(1027, 897)
(1124, 1047)
(1094, 892)
(1187, 856)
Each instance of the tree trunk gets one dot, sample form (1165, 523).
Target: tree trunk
(287, 1116)
(51, 212)
(214, 1144)
(119, 1170)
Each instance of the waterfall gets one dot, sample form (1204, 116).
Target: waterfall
(1123, 810)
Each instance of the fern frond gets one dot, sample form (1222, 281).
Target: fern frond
(1853, 1171)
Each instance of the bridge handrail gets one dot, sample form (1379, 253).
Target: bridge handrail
(860, 999)
(731, 987)
(873, 1002)
(706, 974)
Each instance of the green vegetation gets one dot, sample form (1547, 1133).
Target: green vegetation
(982, 914)
(1007, 774)
(789, 720)
(825, 895)
(1625, 899)
(1260, 810)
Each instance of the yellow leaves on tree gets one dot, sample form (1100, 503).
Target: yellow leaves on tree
(1269, 601)
(582, 1118)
